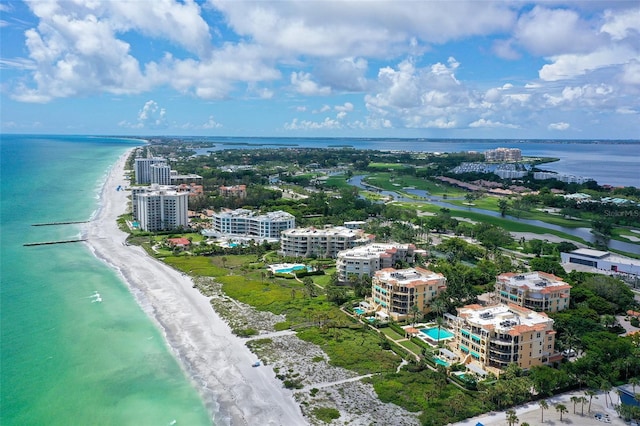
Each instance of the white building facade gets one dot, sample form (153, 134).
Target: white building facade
(321, 242)
(367, 259)
(162, 210)
(602, 260)
(160, 174)
(243, 222)
(142, 169)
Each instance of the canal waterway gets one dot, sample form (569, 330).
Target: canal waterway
(425, 197)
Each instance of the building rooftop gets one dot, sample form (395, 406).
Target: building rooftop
(373, 250)
(334, 230)
(536, 281)
(409, 277)
(510, 318)
(597, 254)
(606, 255)
(245, 213)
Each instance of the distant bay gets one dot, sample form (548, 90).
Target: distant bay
(611, 162)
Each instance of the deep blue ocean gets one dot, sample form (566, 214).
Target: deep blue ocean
(65, 358)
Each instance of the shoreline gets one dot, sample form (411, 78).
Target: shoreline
(215, 360)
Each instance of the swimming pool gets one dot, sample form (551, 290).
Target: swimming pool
(432, 333)
(359, 311)
(440, 362)
(291, 269)
(288, 268)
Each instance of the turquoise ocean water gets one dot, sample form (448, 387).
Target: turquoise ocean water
(65, 359)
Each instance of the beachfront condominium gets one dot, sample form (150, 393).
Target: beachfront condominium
(324, 242)
(534, 290)
(395, 291)
(496, 336)
(503, 154)
(142, 169)
(248, 223)
(160, 174)
(162, 210)
(366, 260)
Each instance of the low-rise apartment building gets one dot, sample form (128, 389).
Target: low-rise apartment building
(239, 191)
(395, 291)
(534, 290)
(366, 260)
(321, 242)
(496, 336)
(248, 223)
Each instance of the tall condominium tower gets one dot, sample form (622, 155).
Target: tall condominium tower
(142, 168)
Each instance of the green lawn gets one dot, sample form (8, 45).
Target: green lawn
(491, 203)
(391, 334)
(391, 182)
(412, 347)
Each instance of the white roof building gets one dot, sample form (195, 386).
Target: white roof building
(249, 223)
(321, 242)
(602, 260)
(367, 259)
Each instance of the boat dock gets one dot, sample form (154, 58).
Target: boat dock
(46, 243)
(60, 223)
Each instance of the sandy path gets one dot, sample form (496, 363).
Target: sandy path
(218, 361)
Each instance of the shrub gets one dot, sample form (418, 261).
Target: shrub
(247, 332)
(326, 414)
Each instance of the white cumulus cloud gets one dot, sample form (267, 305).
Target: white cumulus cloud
(559, 126)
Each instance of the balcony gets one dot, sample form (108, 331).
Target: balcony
(500, 350)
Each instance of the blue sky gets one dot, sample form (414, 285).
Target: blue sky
(355, 68)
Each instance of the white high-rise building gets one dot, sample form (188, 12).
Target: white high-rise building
(162, 210)
(142, 169)
(160, 174)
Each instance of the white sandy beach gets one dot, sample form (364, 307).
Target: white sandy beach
(218, 361)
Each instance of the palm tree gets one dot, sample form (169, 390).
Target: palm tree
(561, 408)
(440, 323)
(512, 418)
(605, 387)
(575, 400)
(590, 393)
(583, 400)
(414, 311)
(543, 406)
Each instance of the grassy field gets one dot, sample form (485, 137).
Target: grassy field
(506, 224)
(391, 182)
(337, 182)
(426, 391)
(491, 203)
